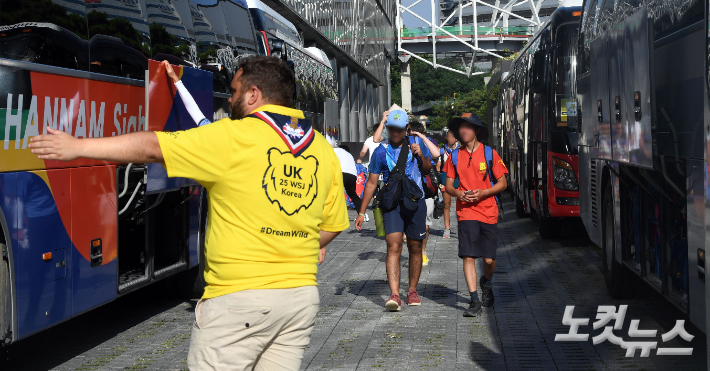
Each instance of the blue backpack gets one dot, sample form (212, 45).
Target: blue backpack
(489, 160)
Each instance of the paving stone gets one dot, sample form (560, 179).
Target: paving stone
(535, 279)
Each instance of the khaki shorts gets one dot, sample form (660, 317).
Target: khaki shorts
(253, 330)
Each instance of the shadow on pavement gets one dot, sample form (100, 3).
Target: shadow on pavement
(52, 347)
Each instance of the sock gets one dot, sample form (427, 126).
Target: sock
(474, 296)
(485, 281)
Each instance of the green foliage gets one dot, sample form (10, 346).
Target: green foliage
(13, 12)
(474, 101)
(99, 24)
(161, 41)
(431, 84)
(209, 55)
(396, 83)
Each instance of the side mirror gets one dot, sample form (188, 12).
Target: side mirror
(276, 46)
(539, 71)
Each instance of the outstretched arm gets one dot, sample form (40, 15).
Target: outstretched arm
(187, 98)
(140, 147)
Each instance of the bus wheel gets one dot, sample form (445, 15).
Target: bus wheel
(619, 281)
(548, 228)
(519, 208)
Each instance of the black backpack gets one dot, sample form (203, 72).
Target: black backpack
(391, 191)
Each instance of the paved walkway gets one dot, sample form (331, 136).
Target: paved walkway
(534, 281)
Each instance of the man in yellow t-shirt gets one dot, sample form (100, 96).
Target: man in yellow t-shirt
(275, 201)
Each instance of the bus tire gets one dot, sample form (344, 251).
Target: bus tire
(519, 208)
(619, 281)
(548, 228)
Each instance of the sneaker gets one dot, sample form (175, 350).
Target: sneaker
(413, 298)
(447, 233)
(393, 303)
(473, 309)
(487, 298)
(367, 218)
(425, 260)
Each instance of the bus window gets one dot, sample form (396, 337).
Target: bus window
(45, 32)
(119, 38)
(564, 126)
(565, 76)
(239, 25)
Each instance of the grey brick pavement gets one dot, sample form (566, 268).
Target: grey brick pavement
(534, 281)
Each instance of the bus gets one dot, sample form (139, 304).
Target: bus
(315, 78)
(642, 84)
(76, 235)
(536, 125)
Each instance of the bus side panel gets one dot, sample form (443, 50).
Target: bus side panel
(43, 283)
(168, 113)
(94, 216)
(696, 241)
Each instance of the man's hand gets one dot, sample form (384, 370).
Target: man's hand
(479, 195)
(359, 161)
(56, 146)
(321, 255)
(416, 150)
(358, 222)
(464, 197)
(384, 116)
(170, 71)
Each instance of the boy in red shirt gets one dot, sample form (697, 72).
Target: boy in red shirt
(476, 207)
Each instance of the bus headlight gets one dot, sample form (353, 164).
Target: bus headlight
(563, 175)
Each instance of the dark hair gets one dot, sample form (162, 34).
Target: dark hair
(417, 126)
(345, 147)
(271, 76)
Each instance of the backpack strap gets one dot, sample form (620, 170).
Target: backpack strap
(489, 173)
(401, 165)
(454, 160)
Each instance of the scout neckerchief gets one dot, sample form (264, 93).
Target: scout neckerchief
(449, 149)
(392, 159)
(296, 133)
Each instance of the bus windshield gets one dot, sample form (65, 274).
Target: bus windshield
(565, 77)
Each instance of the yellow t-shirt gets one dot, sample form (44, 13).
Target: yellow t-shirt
(266, 207)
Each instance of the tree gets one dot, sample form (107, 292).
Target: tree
(474, 101)
(13, 12)
(161, 41)
(208, 55)
(100, 24)
(431, 84)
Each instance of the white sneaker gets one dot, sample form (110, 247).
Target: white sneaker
(367, 218)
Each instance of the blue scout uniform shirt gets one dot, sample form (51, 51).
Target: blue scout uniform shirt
(378, 162)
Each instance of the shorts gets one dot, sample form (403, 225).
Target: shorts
(410, 222)
(443, 180)
(477, 239)
(429, 212)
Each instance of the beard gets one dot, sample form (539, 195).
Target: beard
(238, 110)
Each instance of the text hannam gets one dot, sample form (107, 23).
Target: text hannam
(69, 116)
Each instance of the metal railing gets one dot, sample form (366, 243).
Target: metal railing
(468, 31)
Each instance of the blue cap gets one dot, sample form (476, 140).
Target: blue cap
(398, 119)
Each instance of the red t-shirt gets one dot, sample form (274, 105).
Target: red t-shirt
(471, 169)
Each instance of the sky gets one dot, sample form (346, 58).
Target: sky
(423, 9)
